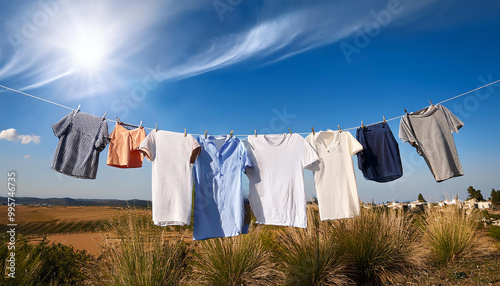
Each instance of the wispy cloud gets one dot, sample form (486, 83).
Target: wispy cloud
(283, 37)
(46, 81)
(27, 156)
(12, 135)
(181, 39)
(279, 36)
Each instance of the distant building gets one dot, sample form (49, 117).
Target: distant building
(417, 206)
(455, 202)
(394, 205)
(484, 205)
(474, 204)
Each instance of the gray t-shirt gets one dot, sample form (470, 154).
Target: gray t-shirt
(430, 131)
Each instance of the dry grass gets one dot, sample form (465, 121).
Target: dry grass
(311, 257)
(379, 247)
(239, 260)
(143, 255)
(382, 245)
(450, 234)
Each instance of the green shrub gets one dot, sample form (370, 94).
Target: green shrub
(487, 215)
(494, 232)
(44, 263)
(239, 260)
(310, 256)
(27, 264)
(142, 254)
(380, 244)
(267, 234)
(449, 234)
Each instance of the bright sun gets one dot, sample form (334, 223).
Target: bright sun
(89, 55)
(89, 51)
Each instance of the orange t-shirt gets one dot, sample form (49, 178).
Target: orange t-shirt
(123, 146)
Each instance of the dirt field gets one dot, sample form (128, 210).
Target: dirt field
(25, 214)
(88, 241)
(75, 226)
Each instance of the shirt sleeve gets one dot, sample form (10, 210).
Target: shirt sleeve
(245, 158)
(309, 155)
(148, 146)
(103, 137)
(309, 139)
(354, 145)
(453, 122)
(315, 165)
(405, 132)
(62, 126)
(196, 150)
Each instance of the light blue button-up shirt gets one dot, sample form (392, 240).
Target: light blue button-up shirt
(218, 204)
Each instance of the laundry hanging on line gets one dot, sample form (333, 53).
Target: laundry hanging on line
(82, 137)
(172, 156)
(276, 183)
(274, 164)
(219, 198)
(124, 144)
(430, 130)
(379, 160)
(69, 157)
(334, 178)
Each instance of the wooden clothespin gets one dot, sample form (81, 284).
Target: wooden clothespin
(104, 114)
(384, 118)
(431, 102)
(185, 132)
(78, 109)
(117, 120)
(255, 132)
(290, 131)
(231, 134)
(140, 124)
(156, 128)
(406, 111)
(314, 133)
(362, 125)
(206, 131)
(340, 130)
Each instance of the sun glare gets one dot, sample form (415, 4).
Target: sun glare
(89, 55)
(89, 51)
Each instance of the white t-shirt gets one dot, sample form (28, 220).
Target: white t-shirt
(172, 156)
(277, 194)
(334, 174)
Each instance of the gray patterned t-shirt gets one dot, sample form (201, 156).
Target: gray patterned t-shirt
(430, 131)
(82, 137)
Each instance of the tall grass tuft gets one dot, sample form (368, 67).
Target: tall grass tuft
(381, 245)
(310, 256)
(239, 260)
(142, 254)
(450, 234)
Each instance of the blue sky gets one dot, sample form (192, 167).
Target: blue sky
(244, 65)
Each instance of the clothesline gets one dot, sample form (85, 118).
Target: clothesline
(303, 133)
